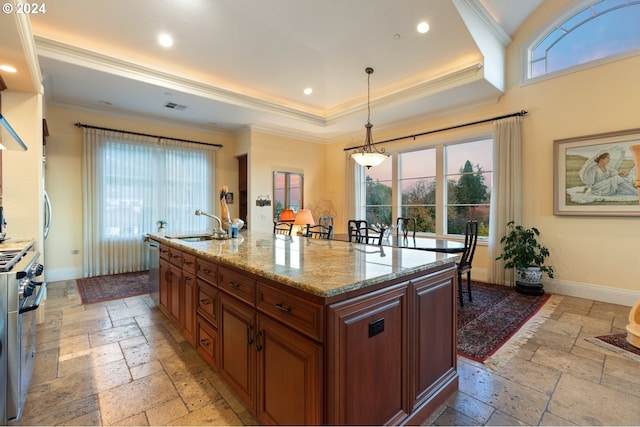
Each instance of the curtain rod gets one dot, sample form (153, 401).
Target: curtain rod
(82, 125)
(414, 136)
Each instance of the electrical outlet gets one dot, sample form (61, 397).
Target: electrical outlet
(75, 251)
(263, 217)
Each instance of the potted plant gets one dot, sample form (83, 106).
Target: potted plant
(161, 225)
(522, 252)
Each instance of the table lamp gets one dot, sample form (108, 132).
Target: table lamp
(287, 215)
(303, 219)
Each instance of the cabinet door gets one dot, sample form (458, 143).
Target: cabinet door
(289, 376)
(367, 356)
(164, 273)
(189, 306)
(237, 347)
(175, 291)
(434, 299)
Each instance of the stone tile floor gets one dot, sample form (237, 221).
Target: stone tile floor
(122, 363)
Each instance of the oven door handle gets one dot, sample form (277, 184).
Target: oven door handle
(36, 302)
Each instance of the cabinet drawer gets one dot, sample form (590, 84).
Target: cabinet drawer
(207, 342)
(189, 263)
(164, 252)
(238, 285)
(207, 301)
(207, 271)
(175, 257)
(295, 312)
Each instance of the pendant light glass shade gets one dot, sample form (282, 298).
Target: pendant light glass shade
(368, 155)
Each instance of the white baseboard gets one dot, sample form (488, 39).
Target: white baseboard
(60, 274)
(575, 289)
(594, 292)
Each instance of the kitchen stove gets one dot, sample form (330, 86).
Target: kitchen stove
(20, 296)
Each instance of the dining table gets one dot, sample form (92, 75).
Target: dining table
(431, 244)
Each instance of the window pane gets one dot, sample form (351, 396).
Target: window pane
(418, 188)
(469, 168)
(603, 29)
(378, 182)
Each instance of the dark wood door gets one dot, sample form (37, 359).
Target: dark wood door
(237, 347)
(289, 376)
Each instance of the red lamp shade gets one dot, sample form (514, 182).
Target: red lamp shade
(287, 215)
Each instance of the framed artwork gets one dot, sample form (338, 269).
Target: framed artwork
(228, 198)
(596, 174)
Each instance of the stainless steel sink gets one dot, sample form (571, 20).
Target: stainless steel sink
(199, 237)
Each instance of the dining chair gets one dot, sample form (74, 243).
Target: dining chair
(406, 226)
(319, 231)
(464, 262)
(282, 228)
(361, 232)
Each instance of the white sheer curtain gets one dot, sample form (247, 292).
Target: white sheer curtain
(130, 183)
(507, 188)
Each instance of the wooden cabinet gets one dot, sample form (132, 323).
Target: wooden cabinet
(434, 365)
(368, 341)
(384, 355)
(275, 370)
(290, 376)
(237, 347)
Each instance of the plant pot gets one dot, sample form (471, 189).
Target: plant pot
(160, 230)
(529, 275)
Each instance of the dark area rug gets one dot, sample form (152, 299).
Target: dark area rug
(114, 286)
(618, 344)
(492, 318)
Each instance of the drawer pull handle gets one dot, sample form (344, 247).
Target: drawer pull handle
(234, 285)
(204, 343)
(205, 302)
(187, 278)
(283, 308)
(249, 338)
(258, 346)
(206, 271)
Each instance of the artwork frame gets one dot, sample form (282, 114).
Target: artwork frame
(228, 198)
(586, 183)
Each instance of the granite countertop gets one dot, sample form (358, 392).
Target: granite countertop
(321, 267)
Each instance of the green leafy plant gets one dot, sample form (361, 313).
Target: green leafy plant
(521, 249)
(162, 223)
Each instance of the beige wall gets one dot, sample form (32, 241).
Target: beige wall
(64, 178)
(593, 257)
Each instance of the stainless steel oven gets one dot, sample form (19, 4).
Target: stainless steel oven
(20, 294)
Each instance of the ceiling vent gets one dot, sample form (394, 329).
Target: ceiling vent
(174, 106)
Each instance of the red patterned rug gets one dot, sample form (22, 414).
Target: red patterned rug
(114, 286)
(495, 315)
(618, 344)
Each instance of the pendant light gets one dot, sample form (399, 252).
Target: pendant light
(368, 155)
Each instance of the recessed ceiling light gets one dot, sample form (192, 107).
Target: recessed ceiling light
(308, 91)
(8, 68)
(423, 27)
(165, 40)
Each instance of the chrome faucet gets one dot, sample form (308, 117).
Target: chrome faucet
(220, 230)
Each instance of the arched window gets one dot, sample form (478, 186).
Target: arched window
(604, 29)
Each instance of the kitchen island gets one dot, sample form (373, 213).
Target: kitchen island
(314, 332)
